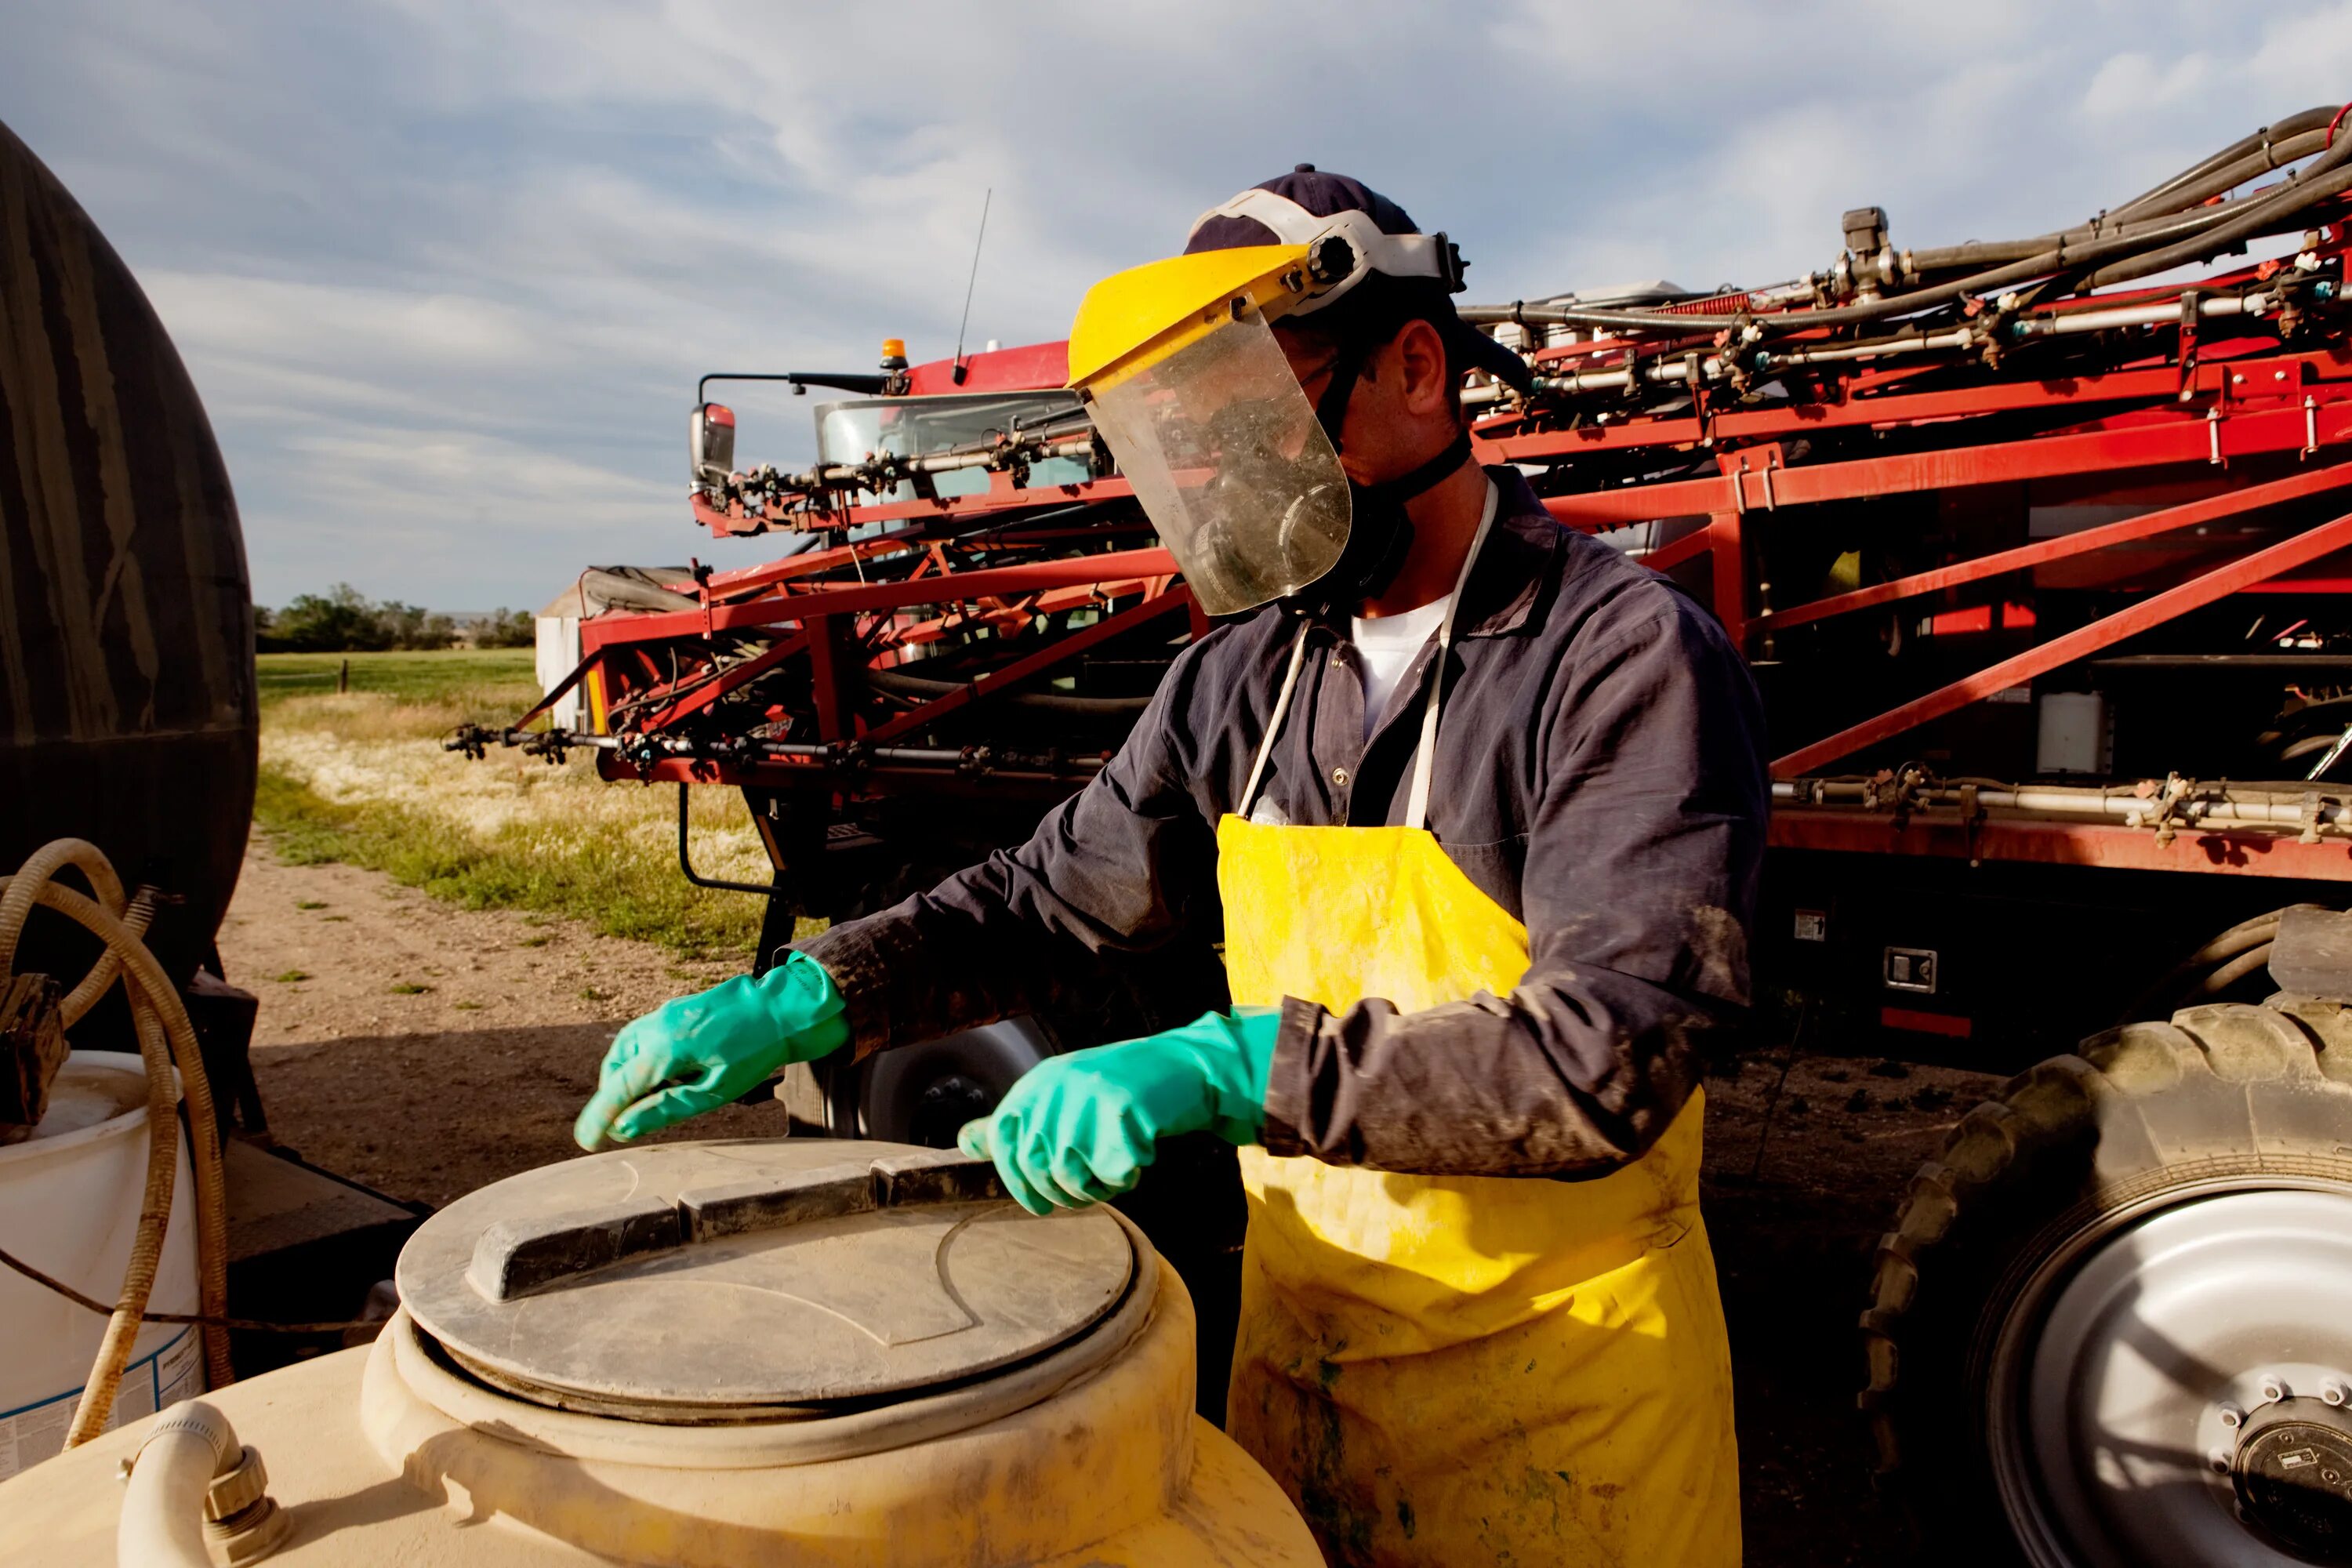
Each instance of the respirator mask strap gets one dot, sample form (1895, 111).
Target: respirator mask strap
(1380, 537)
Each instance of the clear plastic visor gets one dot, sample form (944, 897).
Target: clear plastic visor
(1226, 454)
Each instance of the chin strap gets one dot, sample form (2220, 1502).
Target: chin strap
(1430, 475)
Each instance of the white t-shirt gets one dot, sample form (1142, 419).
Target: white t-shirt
(1389, 647)
(1392, 643)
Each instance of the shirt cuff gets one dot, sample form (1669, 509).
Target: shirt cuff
(1287, 1078)
(859, 956)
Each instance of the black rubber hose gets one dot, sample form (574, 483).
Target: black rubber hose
(2237, 969)
(2230, 176)
(2271, 216)
(1981, 252)
(2293, 124)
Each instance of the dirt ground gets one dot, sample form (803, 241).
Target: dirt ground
(424, 1050)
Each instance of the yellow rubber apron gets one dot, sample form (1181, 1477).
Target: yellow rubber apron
(1462, 1370)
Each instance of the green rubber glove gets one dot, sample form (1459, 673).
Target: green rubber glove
(695, 1052)
(1080, 1128)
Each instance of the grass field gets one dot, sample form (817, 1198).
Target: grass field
(360, 777)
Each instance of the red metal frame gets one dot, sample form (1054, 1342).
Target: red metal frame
(2297, 550)
(2000, 563)
(1021, 670)
(2221, 395)
(2201, 437)
(1111, 573)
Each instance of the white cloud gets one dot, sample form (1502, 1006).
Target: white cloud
(445, 272)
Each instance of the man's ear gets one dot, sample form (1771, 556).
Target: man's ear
(1427, 388)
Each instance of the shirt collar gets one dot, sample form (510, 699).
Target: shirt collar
(1512, 572)
(1513, 569)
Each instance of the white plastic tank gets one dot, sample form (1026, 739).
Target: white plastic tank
(69, 1200)
(825, 1354)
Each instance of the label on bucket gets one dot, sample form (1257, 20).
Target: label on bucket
(172, 1372)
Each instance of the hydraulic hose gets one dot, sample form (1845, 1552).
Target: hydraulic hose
(2230, 176)
(2149, 230)
(2292, 125)
(2325, 177)
(166, 1040)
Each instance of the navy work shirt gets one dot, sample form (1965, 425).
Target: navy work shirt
(1599, 773)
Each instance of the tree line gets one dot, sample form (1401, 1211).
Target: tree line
(344, 620)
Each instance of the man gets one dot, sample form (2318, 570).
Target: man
(1476, 807)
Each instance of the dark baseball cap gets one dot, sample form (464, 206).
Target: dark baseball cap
(1323, 194)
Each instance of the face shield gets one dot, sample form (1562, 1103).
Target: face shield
(1226, 454)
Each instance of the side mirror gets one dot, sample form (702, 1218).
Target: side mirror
(711, 443)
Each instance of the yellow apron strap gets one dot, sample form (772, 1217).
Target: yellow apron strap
(1417, 802)
(1274, 722)
(1417, 808)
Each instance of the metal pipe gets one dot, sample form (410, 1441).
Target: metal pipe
(2234, 807)
(1666, 368)
(860, 477)
(1957, 338)
(685, 862)
(2063, 323)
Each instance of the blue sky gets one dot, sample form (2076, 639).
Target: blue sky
(445, 272)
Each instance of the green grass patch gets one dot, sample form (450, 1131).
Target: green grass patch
(309, 904)
(359, 777)
(615, 884)
(492, 677)
(407, 988)
(293, 977)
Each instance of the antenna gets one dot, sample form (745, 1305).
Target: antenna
(981, 239)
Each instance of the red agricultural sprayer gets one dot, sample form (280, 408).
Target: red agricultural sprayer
(2041, 552)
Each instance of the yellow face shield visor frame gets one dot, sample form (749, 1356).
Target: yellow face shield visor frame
(1179, 367)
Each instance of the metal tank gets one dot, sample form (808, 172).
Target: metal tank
(711, 1354)
(127, 700)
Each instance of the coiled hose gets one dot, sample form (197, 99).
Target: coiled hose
(166, 1040)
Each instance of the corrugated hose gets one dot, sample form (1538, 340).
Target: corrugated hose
(166, 1040)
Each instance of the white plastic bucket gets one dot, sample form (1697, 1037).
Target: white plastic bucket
(68, 1206)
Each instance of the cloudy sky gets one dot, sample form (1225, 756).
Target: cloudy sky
(446, 270)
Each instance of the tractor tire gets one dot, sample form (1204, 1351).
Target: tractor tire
(2112, 1324)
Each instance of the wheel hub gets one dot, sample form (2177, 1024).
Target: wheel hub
(2293, 1476)
(2158, 1390)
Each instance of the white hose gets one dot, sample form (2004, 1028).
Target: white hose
(163, 1524)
